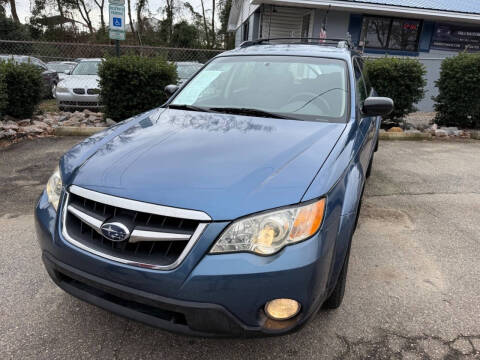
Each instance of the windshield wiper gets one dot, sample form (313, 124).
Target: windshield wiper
(253, 112)
(189, 107)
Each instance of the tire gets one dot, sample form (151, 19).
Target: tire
(336, 297)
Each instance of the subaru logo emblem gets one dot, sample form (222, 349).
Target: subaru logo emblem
(115, 231)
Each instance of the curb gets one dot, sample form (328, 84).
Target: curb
(404, 136)
(77, 131)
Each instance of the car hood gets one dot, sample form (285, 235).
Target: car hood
(80, 81)
(225, 165)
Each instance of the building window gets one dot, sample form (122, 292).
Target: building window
(245, 30)
(305, 25)
(390, 33)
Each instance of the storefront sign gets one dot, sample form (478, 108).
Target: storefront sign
(456, 37)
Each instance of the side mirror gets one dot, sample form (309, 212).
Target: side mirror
(377, 106)
(171, 89)
(67, 72)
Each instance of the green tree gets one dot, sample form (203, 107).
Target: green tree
(184, 35)
(12, 30)
(224, 7)
(402, 80)
(457, 103)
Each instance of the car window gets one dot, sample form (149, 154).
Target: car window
(40, 64)
(86, 68)
(306, 88)
(368, 86)
(361, 92)
(60, 67)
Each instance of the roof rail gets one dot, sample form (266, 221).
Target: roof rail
(340, 43)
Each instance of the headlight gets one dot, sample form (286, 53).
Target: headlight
(54, 188)
(269, 232)
(61, 89)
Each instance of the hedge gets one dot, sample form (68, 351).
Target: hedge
(24, 86)
(3, 94)
(133, 84)
(403, 80)
(458, 101)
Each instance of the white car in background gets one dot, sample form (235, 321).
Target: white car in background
(80, 90)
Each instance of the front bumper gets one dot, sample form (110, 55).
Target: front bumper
(207, 295)
(75, 101)
(192, 318)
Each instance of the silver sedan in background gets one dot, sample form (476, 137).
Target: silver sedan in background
(80, 90)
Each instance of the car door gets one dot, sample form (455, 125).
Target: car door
(366, 124)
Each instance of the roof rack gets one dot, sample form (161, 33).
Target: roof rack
(340, 43)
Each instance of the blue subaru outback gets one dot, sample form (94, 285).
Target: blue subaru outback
(230, 209)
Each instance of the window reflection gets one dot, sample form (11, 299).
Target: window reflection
(390, 33)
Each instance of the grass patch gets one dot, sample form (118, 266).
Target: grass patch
(49, 105)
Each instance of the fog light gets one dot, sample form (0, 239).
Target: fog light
(282, 309)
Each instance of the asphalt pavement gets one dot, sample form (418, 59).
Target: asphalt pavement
(413, 288)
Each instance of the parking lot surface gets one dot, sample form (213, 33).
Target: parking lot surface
(413, 287)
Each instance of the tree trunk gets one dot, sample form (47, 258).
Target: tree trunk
(85, 14)
(213, 23)
(100, 4)
(140, 6)
(169, 9)
(60, 10)
(129, 9)
(205, 24)
(13, 10)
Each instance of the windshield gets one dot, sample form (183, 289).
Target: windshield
(185, 71)
(86, 68)
(60, 67)
(305, 88)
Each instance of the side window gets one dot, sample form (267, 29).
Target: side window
(368, 86)
(38, 63)
(361, 92)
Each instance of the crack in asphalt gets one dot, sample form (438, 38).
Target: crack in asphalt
(120, 341)
(381, 348)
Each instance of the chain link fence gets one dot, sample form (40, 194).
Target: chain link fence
(61, 51)
(75, 88)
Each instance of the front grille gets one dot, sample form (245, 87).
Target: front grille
(79, 91)
(88, 103)
(174, 234)
(93, 91)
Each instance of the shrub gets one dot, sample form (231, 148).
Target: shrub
(24, 87)
(3, 94)
(458, 101)
(403, 80)
(130, 85)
